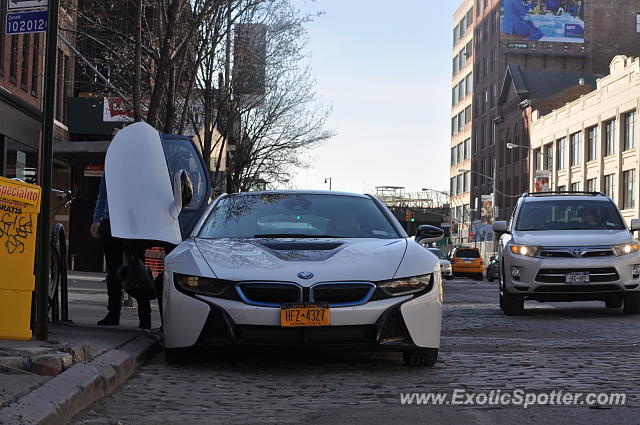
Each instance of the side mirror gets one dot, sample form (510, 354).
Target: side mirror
(635, 224)
(428, 234)
(492, 258)
(500, 227)
(182, 189)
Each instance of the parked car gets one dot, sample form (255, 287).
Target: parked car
(274, 268)
(493, 269)
(445, 264)
(568, 246)
(466, 261)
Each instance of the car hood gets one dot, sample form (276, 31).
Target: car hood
(282, 259)
(572, 237)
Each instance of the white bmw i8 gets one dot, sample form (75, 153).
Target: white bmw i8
(310, 269)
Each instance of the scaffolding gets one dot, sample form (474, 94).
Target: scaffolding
(395, 196)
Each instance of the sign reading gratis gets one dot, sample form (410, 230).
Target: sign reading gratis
(26, 4)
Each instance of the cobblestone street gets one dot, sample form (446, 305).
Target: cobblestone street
(577, 347)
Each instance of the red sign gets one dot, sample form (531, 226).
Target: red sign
(93, 170)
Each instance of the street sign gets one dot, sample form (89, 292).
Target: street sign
(26, 22)
(26, 4)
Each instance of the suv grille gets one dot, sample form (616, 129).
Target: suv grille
(567, 252)
(596, 275)
(342, 293)
(269, 294)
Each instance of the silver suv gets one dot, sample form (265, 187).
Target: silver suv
(568, 246)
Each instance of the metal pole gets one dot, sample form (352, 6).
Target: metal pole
(46, 166)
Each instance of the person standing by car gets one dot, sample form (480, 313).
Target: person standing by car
(114, 250)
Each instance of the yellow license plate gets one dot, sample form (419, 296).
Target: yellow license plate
(296, 315)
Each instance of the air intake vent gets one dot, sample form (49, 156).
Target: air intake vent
(302, 246)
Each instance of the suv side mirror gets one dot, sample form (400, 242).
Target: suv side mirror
(635, 224)
(492, 258)
(500, 227)
(428, 234)
(182, 190)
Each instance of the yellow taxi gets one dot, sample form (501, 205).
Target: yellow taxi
(466, 261)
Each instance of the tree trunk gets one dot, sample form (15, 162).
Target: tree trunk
(137, 64)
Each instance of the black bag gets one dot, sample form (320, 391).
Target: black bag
(139, 280)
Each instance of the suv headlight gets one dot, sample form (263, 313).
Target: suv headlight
(625, 248)
(526, 250)
(409, 285)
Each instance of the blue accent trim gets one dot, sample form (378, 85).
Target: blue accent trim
(246, 300)
(350, 304)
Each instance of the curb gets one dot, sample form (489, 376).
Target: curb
(62, 397)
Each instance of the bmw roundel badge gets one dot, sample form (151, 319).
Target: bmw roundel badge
(305, 275)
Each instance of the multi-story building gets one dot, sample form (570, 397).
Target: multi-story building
(572, 37)
(461, 100)
(591, 144)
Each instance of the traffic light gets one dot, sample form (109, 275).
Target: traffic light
(409, 216)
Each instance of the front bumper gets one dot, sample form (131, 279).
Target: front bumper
(395, 324)
(543, 278)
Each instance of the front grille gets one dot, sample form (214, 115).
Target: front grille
(269, 294)
(567, 252)
(275, 335)
(342, 294)
(596, 275)
(576, 288)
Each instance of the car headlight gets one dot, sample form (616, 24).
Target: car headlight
(526, 250)
(202, 285)
(409, 285)
(625, 248)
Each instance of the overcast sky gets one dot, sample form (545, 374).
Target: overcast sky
(385, 68)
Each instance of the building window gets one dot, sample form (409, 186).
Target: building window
(538, 161)
(610, 186)
(548, 156)
(576, 147)
(454, 152)
(454, 125)
(592, 143)
(13, 60)
(628, 189)
(469, 83)
(467, 149)
(24, 71)
(609, 137)
(452, 186)
(575, 187)
(35, 65)
(485, 67)
(466, 181)
(637, 23)
(493, 60)
(592, 185)
(560, 148)
(629, 141)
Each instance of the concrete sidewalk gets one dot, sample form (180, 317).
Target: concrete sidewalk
(48, 382)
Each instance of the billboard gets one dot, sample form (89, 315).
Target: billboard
(541, 181)
(543, 20)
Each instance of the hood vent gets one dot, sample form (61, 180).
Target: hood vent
(302, 246)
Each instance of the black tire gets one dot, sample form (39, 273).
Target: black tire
(632, 304)
(177, 356)
(512, 305)
(613, 303)
(424, 357)
(448, 277)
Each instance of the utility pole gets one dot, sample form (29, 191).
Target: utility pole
(328, 180)
(46, 167)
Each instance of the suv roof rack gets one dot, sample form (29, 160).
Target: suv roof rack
(563, 192)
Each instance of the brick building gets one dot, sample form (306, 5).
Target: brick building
(586, 46)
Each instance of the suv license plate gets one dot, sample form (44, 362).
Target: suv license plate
(297, 315)
(577, 277)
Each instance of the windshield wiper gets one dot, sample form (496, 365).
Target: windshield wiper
(294, 235)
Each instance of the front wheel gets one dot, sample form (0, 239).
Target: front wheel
(632, 304)
(512, 305)
(423, 357)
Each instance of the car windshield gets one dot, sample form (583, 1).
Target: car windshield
(569, 214)
(467, 253)
(274, 215)
(437, 253)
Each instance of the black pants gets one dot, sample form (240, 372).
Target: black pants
(114, 253)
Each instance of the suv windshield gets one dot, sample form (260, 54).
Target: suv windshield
(569, 214)
(277, 215)
(467, 253)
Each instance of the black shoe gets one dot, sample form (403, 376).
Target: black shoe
(145, 322)
(111, 319)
